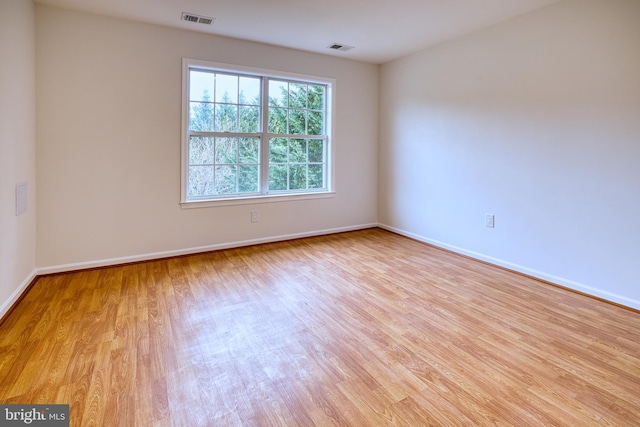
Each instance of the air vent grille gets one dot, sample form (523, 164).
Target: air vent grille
(340, 46)
(190, 17)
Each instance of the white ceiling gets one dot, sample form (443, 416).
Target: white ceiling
(380, 30)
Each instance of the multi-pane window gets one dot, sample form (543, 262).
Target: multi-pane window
(296, 109)
(296, 163)
(249, 134)
(223, 165)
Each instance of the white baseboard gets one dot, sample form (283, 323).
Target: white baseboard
(6, 306)
(619, 299)
(580, 287)
(188, 251)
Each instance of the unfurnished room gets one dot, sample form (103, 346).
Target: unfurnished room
(299, 213)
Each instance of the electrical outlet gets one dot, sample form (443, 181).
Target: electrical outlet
(489, 220)
(255, 216)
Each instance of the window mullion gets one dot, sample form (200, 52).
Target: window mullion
(264, 139)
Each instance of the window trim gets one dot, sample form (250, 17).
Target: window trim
(235, 199)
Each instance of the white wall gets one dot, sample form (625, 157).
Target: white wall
(536, 120)
(17, 148)
(109, 102)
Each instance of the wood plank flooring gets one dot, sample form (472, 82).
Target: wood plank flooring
(366, 328)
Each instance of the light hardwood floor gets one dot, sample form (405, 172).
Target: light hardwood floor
(366, 328)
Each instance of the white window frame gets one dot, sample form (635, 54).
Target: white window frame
(264, 196)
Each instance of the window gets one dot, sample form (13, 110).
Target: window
(253, 134)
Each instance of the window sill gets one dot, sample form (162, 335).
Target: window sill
(250, 200)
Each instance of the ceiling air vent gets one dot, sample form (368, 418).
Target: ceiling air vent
(190, 17)
(340, 46)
